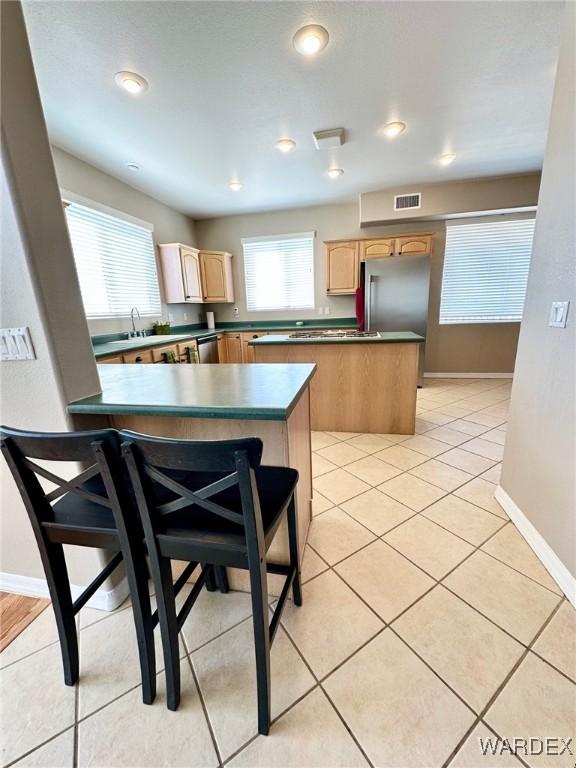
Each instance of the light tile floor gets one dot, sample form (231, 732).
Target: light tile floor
(427, 624)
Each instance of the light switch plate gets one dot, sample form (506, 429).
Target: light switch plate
(558, 314)
(16, 344)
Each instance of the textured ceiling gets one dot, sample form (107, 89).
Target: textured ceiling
(475, 78)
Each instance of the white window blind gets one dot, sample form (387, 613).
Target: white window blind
(279, 272)
(486, 271)
(115, 262)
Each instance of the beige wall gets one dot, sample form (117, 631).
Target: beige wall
(39, 290)
(450, 198)
(482, 348)
(74, 175)
(540, 457)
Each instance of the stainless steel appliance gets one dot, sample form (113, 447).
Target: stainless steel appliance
(396, 296)
(208, 349)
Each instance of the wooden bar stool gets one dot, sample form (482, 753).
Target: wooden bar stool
(223, 510)
(90, 510)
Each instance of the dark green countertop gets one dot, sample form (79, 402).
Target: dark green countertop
(222, 391)
(384, 337)
(114, 344)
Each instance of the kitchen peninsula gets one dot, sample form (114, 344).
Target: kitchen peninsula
(215, 402)
(363, 383)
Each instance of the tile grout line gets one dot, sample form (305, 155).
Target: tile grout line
(202, 703)
(499, 690)
(77, 697)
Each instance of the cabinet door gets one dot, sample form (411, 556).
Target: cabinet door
(376, 249)
(414, 244)
(216, 270)
(222, 350)
(159, 352)
(248, 355)
(233, 348)
(191, 275)
(342, 267)
(142, 356)
(188, 352)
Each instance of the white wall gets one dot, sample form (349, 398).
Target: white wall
(74, 175)
(539, 470)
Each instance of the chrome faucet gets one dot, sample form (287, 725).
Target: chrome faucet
(134, 334)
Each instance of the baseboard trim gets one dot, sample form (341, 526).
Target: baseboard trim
(539, 545)
(468, 375)
(103, 600)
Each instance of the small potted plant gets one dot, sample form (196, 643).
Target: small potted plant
(161, 327)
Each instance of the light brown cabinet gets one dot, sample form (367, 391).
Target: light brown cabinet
(233, 348)
(216, 275)
(141, 356)
(158, 353)
(222, 350)
(343, 257)
(342, 267)
(193, 276)
(247, 350)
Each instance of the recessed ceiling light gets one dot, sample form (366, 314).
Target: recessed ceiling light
(391, 130)
(311, 39)
(285, 145)
(133, 166)
(447, 158)
(235, 186)
(334, 173)
(131, 82)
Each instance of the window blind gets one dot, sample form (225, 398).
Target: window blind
(279, 272)
(486, 271)
(115, 262)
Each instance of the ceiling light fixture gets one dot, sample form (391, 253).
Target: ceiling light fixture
(133, 166)
(235, 186)
(391, 130)
(447, 158)
(285, 145)
(131, 82)
(310, 40)
(335, 173)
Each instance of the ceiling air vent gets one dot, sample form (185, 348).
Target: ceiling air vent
(407, 202)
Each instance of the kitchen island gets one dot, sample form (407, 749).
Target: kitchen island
(362, 383)
(215, 402)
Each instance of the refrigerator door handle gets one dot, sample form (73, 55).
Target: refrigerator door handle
(369, 280)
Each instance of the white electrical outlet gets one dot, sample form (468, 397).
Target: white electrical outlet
(170, 316)
(320, 310)
(236, 311)
(185, 315)
(326, 310)
(558, 314)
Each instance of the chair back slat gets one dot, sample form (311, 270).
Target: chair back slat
(150, 459)
(19, 447)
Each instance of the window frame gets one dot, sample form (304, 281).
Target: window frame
(276, 238)
(475, 220)
(68, 198)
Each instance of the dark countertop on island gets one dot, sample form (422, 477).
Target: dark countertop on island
(222, 391)
(384, 337)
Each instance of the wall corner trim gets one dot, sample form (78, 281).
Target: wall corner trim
(543, 551)
(102, 600)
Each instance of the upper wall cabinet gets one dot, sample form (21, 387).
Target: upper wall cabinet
(193, 276)
(342, 267)
(216, 271)
(343, 257)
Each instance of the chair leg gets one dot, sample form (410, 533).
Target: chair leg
(210, 582)
(260, 619)
(221, 578)
(162, 571)
(293, 546)
(59, 586)
(137, 574)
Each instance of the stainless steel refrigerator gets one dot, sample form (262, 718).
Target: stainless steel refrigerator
(396, 296)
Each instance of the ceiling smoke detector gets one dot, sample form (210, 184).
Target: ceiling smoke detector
(329, 139)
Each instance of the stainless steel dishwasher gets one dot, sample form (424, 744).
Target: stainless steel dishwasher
(208, 349)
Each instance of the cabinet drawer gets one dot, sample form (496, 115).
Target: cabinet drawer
(159, 352)
(141, 356)
(116, 359)
(249, 335)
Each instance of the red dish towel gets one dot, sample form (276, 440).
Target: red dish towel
(360, 307)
